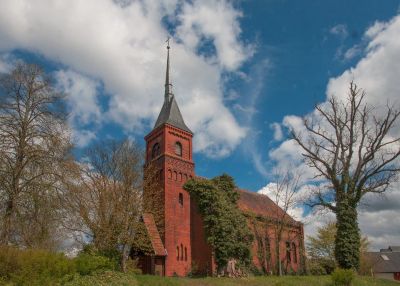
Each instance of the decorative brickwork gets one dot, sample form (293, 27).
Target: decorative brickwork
(177, 168)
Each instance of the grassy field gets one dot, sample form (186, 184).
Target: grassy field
(113, 278)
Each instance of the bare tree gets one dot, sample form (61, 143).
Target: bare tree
(34, 148)
(105, 201)
(284, 193)
(351, 148)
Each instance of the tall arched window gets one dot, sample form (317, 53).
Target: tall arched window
(177, 253)
(294, 252)
(181, 251)
(155, 151)
(180, 199)
(178, 149)
(185, 254)
(288, 251)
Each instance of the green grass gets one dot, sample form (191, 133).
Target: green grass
(115, 278)
(257, 281)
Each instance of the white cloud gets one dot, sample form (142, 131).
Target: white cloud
(294, 210)
(81, 95)
(120, 43)
(208, 19)
(377, 73)
(83, 103)
(7, 61)
(278, 133)
(352, 52)
(339, 30)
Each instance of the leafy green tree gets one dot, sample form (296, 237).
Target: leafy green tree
(321, 248)
(225, 225)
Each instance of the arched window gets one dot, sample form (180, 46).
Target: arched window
(185, 177)
(155, 151)
(288, 257)
(185, 254)
(178, 149)
(294, 252)
(169, 174)
(177, 253)
(181, 251)
(180, 177)
(180, 199)
(175, 175)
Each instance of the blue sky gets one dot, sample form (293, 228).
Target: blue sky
(242, 71)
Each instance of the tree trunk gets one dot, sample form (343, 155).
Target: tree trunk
(347, 240)
(124, 257)
(278, 257)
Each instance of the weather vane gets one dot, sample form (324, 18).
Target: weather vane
(167, 41)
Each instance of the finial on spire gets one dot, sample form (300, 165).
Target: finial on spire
(168, 85)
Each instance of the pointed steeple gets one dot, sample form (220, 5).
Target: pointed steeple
(170, 112)
(168, 85)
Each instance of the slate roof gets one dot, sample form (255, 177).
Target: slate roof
(261, 205)
(170, 114)
(154, 235)
(380, 265)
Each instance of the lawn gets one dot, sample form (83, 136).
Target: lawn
(113, 278)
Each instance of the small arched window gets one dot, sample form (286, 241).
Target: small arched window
(177, 253)
(180, 177)
(185, 254)
(155, 151)
(175, 176)
(169, 174)
(178, 149)
(180, 199)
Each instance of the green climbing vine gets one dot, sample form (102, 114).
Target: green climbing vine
(225, 225)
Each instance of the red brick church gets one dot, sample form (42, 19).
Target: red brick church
(180, 246)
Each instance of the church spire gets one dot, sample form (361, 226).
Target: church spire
(170, 113)
(168, 85)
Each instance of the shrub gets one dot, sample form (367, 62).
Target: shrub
(87, 263)
(342, 277)
(315, 268)
(34, 267)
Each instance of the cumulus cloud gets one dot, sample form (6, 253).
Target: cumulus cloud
(83, 103)
(293, 209)
(120, 44)
(377, 73)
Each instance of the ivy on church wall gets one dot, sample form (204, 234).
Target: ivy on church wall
(225, 225)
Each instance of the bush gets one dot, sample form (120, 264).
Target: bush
(315, 268)
(87, 263)
(34, 267)
(342, 277)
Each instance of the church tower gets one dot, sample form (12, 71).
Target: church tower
(169, 149)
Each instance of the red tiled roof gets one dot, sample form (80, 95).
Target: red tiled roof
(154, 235)
(260, 205)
